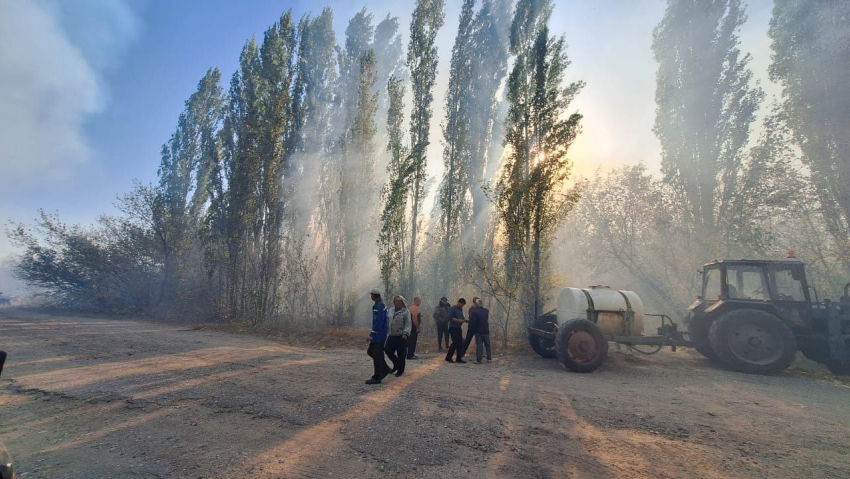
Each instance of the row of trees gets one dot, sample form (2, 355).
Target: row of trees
(269, 206)
(273, 205)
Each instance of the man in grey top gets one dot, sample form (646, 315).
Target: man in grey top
(399, 331)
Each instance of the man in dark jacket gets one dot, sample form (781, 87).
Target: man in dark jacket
(456, 320)
(377, 338)
(471, 327)
(479, 321)
(441, 319)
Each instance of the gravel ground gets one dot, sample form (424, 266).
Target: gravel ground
(94, 397)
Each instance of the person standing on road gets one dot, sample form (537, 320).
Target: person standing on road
(479, 321)
(441, 319)
(400, 326)
(377, 338)
(471, 327)
(416, 319)
(456, 321)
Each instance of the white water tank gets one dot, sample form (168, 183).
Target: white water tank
(607, 307)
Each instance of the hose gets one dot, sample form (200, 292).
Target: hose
(647, 353)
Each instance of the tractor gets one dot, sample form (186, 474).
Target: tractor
(752, 316)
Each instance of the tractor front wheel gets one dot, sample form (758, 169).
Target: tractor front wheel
(698, 332)
(753, 341)
(581, 346)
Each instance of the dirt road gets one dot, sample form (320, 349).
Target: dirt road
(91, 398)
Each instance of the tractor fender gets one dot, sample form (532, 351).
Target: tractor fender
(723, 306)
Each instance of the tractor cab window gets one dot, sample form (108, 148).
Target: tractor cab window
(746, 282)
(789, 286)
(711, 285)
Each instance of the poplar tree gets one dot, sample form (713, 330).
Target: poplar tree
(356, 180)
(388, 50)
(811, 53)
(452, 196)
(422, 61)
(333, 206)
(489, 64)
(705, 107)
(531, 197)
(184, 174)
(313, 95)
(393, 234)
(258, 138)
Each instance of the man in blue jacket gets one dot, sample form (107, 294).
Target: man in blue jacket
(377, 338)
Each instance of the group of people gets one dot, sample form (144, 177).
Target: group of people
(395, 332)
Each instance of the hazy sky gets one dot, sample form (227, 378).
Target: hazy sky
(91, 89)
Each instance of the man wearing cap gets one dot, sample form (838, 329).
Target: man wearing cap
(441, 319)
(377, 338)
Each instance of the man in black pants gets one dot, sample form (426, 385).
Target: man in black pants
(441, 319)
(377, 338)
(456, 320)
(399, 330)
(416, 318)
(471, 327)
(2, 360)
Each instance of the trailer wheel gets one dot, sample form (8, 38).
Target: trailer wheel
(698, 332)
(543, 346)
(753, 341)
(581, 346)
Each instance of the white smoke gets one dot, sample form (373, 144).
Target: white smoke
(52, 59)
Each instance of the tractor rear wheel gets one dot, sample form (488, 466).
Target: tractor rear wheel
(545, 347)
(698, 331)
(839, 368)
(581, 346)
(753, 341)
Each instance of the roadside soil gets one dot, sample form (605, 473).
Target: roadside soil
(86, 397)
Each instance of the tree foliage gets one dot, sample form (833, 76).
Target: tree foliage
(116, 265)
(422, 61)
(452, 195)
(184, 175)
(811, 51)
(531, 197)
(705, 107)
(392, 238)
(489, 66)
(258, 138)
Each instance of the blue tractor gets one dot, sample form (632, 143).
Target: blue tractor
(754, 315)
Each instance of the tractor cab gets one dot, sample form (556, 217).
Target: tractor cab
(751, 280)
(776, 287)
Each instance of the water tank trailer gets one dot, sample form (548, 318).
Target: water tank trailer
(586, 319)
